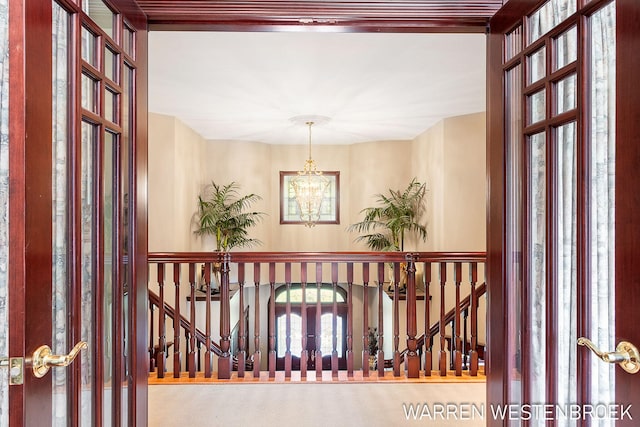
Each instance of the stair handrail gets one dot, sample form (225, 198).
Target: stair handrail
(448, 318)
(184, 323)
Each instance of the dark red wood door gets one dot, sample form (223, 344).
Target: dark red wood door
(314, 346)
(76, 79)
(563, 229)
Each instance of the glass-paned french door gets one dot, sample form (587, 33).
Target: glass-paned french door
(558, 71)
(92, 165)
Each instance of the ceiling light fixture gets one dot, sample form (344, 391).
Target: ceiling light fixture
(309, 187)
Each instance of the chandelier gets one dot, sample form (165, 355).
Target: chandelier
(309, 187)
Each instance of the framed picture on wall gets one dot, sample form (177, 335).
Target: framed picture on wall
(330, 210)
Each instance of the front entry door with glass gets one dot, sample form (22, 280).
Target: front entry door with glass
(317, 302)
(324, 343)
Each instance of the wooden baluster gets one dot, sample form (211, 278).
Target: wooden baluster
(152, 351)
(192, 321)
(350, 320)
(256, 321)
(304, 355)
(199, 358)
(176, 322)
(473, 273)
(412, 359)
(428, 339)
(442, 326)
(396, 318)
(457, 278)
(287, 353)
(318, 331)
(207, 322)
(224, 361)
(334, 321)
(465, 349)
(380, 355)
(242, 333)
(162, 340)
(365, 320)
(272, 320)
(187, 348)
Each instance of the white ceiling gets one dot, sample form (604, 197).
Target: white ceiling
(373, 87)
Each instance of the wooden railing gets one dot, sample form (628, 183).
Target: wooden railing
(383, 276)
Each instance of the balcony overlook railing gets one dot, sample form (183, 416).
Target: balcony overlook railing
(413, 297)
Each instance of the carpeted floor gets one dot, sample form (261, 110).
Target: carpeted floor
(309, 405)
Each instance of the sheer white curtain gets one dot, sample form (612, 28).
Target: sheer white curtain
(60, 217)
(537, 249)
(567, 258)
(603, 117)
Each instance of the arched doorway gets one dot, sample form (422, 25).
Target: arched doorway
(313, 329)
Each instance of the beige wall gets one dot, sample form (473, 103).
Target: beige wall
(175, 176)
(449, 157)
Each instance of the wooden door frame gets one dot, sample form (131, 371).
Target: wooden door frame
(30, 123)
(30, 263)
(139, 292)
(627, 231)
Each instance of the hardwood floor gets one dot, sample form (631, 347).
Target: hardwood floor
(326, 378)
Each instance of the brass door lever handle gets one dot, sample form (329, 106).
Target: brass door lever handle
(626, 354)
(42, 359)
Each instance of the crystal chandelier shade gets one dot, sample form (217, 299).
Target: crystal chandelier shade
(309, 188)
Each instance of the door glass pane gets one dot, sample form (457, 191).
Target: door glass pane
(513, 43)
(566, 262)
(566, 94)
(296, 335)
(566, 49)
(107, 270)
(536, 254)
(4, 207)
(60, 214)
(513, 122)
(603, 114)
(89, 91)
(128, 41)
(326, 334)
(89, 135)
(548, 16)
(537, 65)
(111, 64)
(100, 14)
(89, 49)
(110, 105)
(311, 295)
(536, 106)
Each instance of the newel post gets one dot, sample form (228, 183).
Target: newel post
(224, 361)
(412, 358)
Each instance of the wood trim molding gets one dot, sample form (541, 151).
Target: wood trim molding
(332, 15)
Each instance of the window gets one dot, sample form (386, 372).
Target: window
(330, 209)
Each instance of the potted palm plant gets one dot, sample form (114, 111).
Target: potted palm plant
(224, 214)
(385, 227)
(373, 347)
